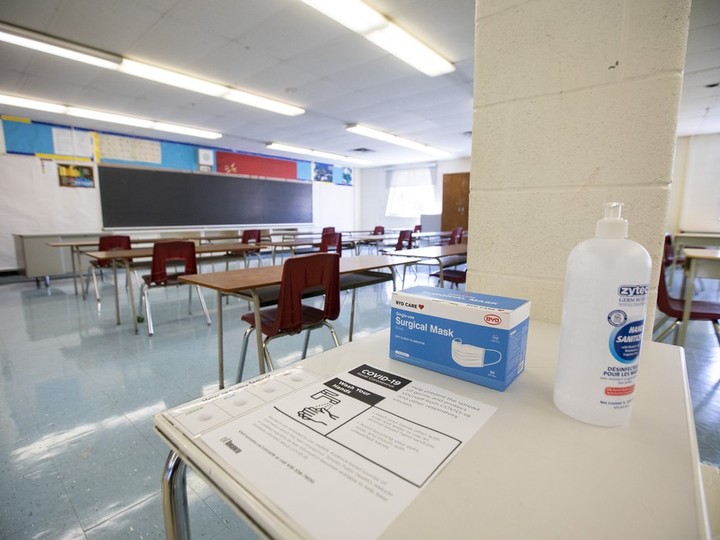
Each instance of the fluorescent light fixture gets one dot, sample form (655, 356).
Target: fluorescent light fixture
(185, 130)
(104, 116)
(364, 20)
(408, 49)
(353, 14)
(110, 117)
(394, 139)
(49, 45)
(172, 78)
(315, 153)
(32, 104)
(263, 103)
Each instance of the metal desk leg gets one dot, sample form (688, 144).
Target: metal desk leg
(174, 499)
(117, 295)
(221, 350)
(352, 314)
(258, 332)
(689, 286)
(442, 283)
(133, 309)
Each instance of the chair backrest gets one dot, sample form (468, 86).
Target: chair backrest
(318, 271)
(418, 228)
(251, 236)
(663, 298)
(379, 229)
(331, 241)
(404, 240)
(328, 230)
(174, 251)
(456, 235)
(112, 242)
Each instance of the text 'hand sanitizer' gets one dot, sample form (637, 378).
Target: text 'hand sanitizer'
(601, 332)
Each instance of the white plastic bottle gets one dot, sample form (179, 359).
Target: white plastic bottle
(604, 309)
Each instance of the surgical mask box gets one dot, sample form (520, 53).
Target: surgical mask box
(476, 337)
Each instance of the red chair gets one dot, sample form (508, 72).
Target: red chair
(418, 228)
(404, 241)
(456, 236)
(301, 275)
(379, 229)
(331, 241)
(174, 253)
(452, 276)
(249, 236)
(105, 243)
(328, 230)
(672, 308)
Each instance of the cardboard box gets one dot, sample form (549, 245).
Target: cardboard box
(476, 337)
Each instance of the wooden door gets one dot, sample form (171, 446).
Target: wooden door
(456, 199)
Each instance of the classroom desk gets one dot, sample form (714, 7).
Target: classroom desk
(77, 251)
(125, 256)
(247, 283)
(455, 252)
(529, 472)
(701, 262)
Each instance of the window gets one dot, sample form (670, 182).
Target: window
(412, 192)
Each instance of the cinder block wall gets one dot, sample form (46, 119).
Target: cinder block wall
(575, 105)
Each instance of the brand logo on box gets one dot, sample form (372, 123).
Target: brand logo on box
(633, 290)
(493, 319)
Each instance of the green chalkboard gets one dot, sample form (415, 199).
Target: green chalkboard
(160, 198)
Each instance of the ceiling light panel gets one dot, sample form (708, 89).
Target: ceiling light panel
(360, 18)
(365, 131)
(316, 153)
(104, 116)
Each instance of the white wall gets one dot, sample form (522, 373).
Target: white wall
(696, 201)
(374, 194)
(33, 202)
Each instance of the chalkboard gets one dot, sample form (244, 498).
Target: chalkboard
(161, 198)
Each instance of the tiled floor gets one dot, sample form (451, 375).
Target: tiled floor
(78, 457)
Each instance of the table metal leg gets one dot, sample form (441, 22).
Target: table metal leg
(117, 295)
(689, 286)
(174, 499)
(258, 332)
(221, 349)
(133, 309)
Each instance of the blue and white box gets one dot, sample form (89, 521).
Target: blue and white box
(476, 337)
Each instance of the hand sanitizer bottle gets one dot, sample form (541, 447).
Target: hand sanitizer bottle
(601, 332)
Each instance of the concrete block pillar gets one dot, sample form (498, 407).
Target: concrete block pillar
(575, 105)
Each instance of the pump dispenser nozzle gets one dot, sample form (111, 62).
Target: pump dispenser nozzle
(612, 225)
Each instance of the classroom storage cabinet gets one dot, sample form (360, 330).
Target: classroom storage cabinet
(35, 258)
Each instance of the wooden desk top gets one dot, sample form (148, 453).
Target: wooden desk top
(433, 252)
(135, 253)
(252, 278)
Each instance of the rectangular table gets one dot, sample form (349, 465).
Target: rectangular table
(125, 256)
(529, 472)
(700, 263)
(249, 282)
(456, 253)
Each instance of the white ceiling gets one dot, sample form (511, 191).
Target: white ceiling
(285, 50)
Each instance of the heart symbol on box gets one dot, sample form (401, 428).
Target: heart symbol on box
(421, 306)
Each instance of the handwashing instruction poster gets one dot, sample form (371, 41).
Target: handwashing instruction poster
(343, 457)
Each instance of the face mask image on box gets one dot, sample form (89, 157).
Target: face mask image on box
(472, 356)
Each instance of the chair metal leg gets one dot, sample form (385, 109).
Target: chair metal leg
(667, 331)
(716, 325)
(307, 342)
(332, 332)
(148, 313)
(243, 354)
(203, 305)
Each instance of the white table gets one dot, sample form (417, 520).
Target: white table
(529, 472)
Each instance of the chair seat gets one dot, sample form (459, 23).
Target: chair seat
(451, 275)
(311, 316)
(701, 310)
